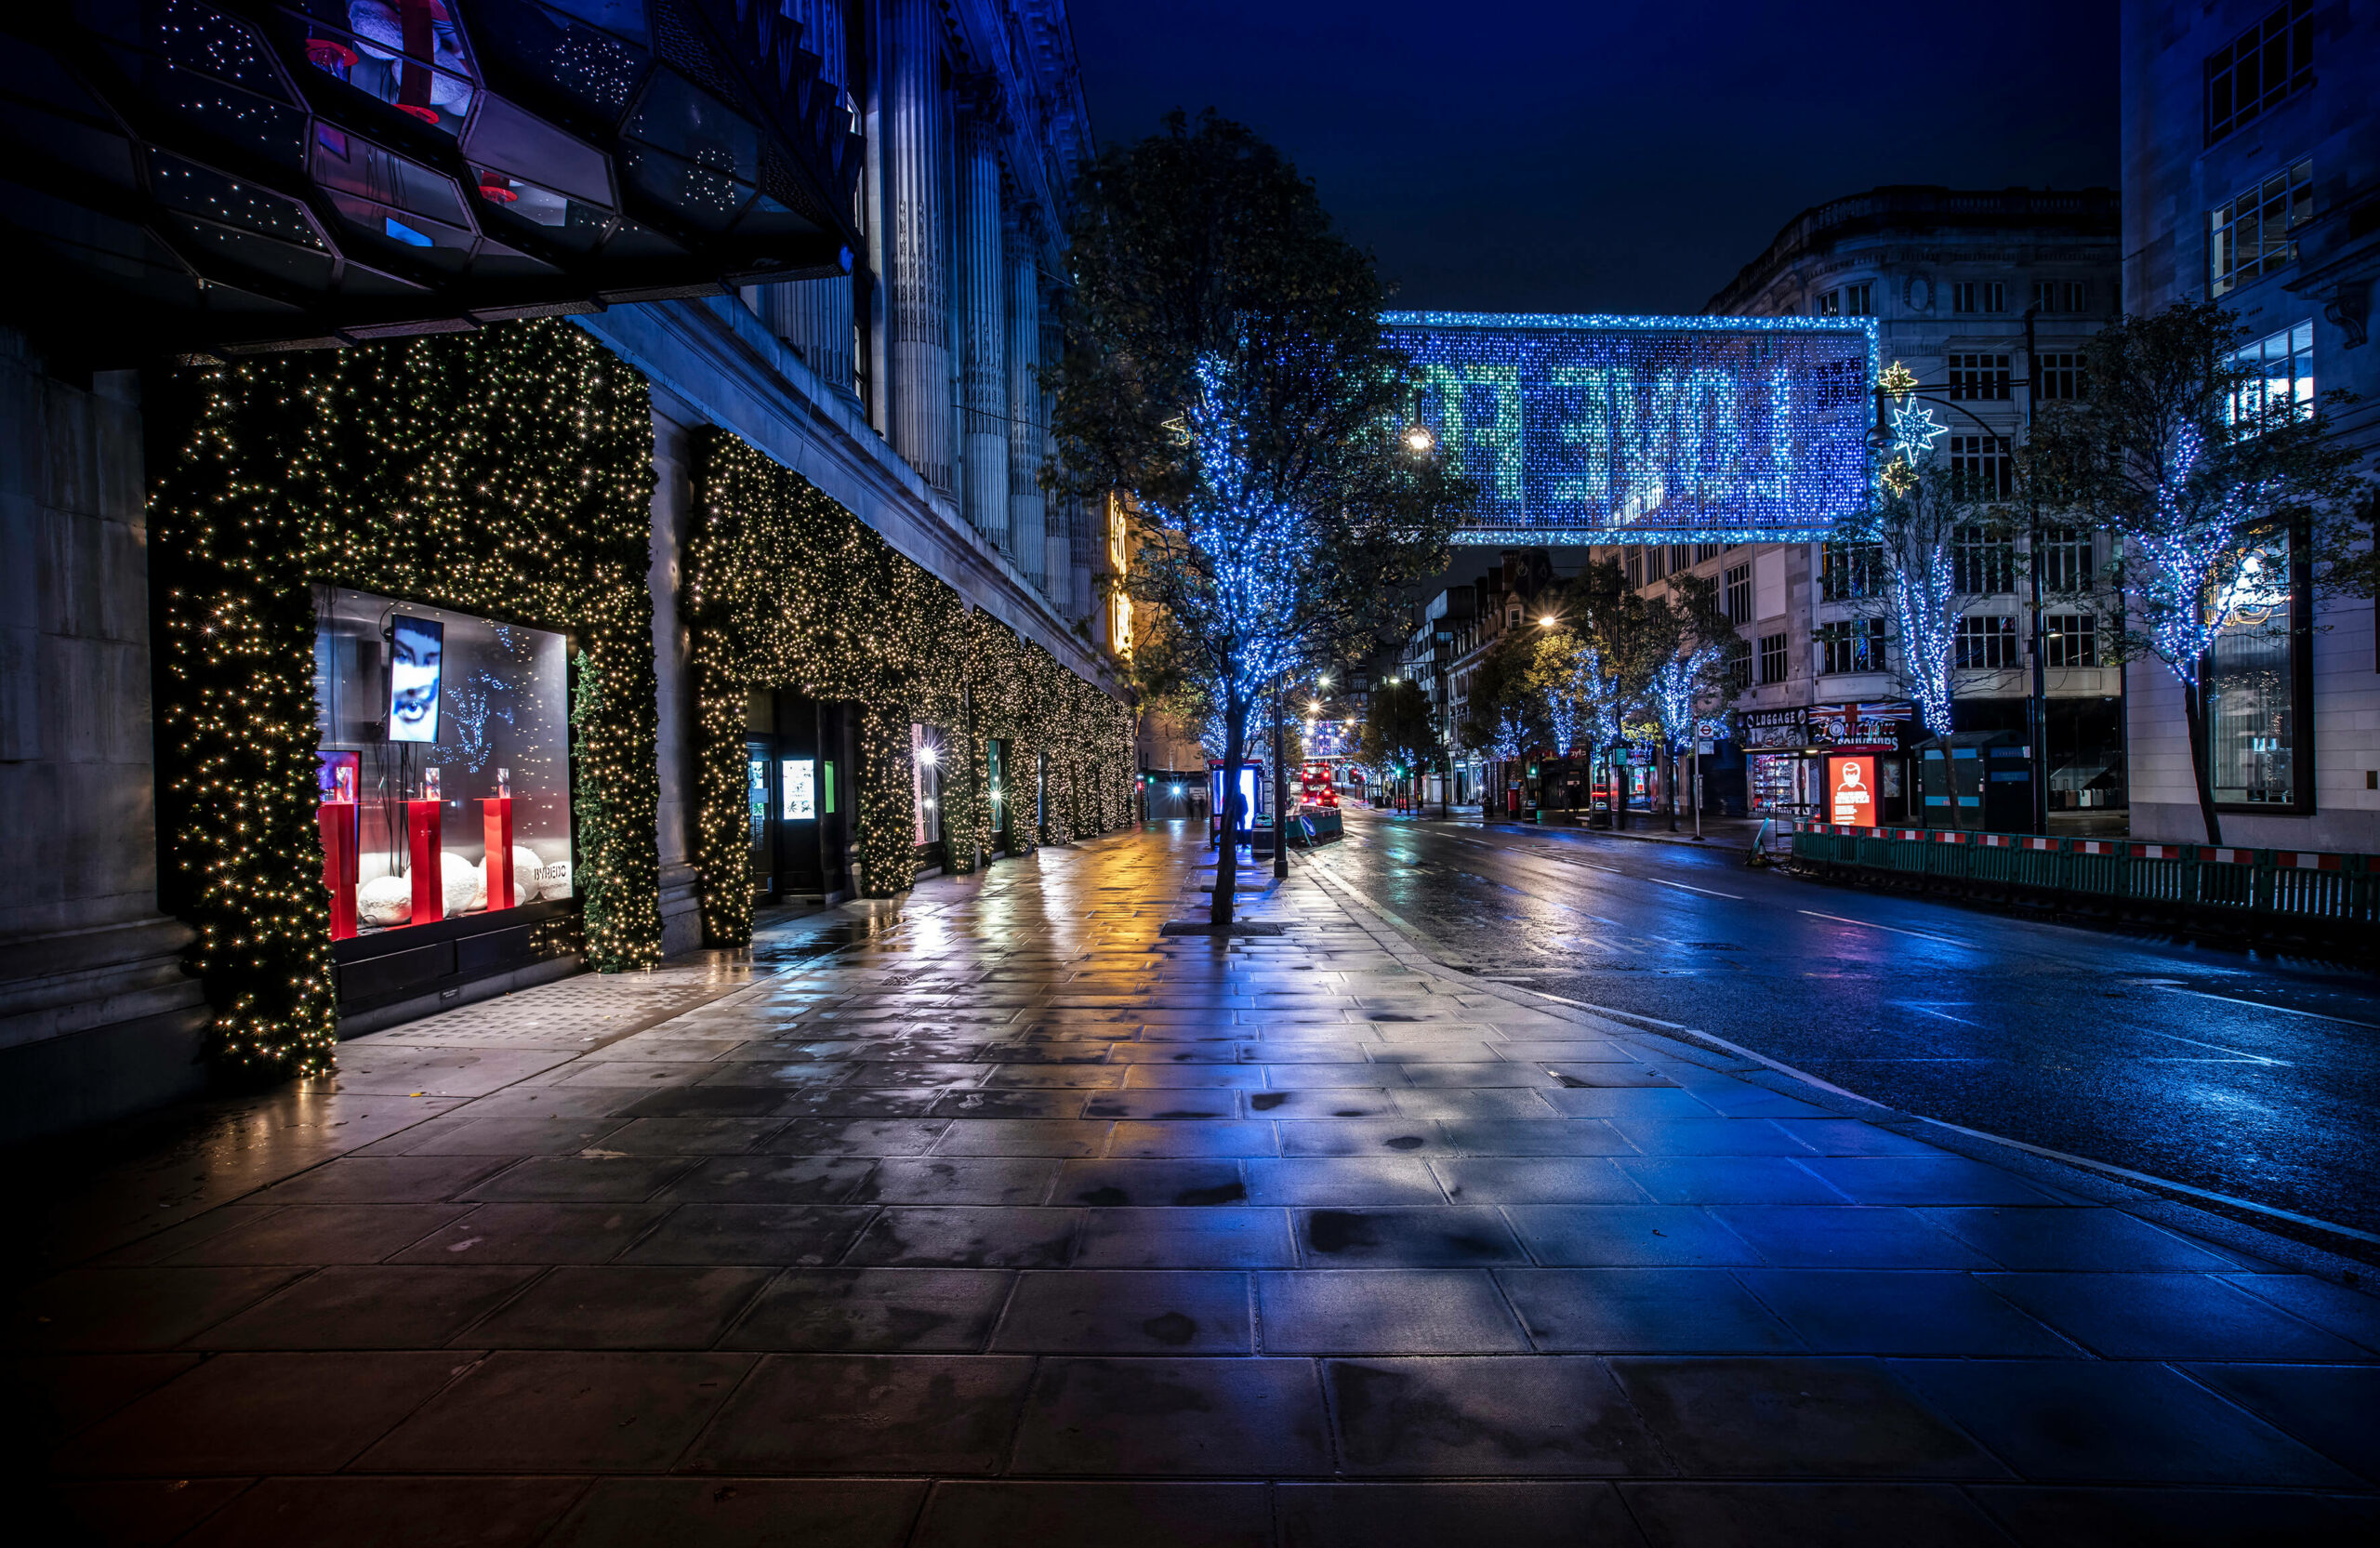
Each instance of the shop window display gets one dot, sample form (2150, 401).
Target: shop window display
(444, 763)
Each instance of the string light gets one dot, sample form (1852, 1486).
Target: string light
(2203, 561)
(1600, 429)
(507, 473)
(788, 589)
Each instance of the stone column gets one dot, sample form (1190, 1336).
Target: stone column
(1055, 544)
(1024, 433)
(814, 318)
(917, 280)
(984, 387)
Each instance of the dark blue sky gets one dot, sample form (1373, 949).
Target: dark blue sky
(1613, 155)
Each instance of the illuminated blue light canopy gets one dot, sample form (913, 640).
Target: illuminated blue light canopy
(1636, 429)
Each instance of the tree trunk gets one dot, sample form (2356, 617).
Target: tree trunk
(1669, 783)
(2194, 712)
(1227, 851)
(1619, 793)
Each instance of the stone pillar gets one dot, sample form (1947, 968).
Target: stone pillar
(96, 1018)
(1055, 544)
(918, 276)
(983, 386)
(1024, 432)
(814, 318)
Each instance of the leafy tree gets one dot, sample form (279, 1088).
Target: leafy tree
(2210, 480)
(1226, 369)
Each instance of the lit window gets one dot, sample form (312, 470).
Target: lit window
(2279, 385)
(2069, 639)
(2254, 235)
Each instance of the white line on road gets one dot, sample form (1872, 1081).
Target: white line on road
(1938, 940)
(1929, 1011)
(2284, 1010)
(2219, 1048)
(1684, 888)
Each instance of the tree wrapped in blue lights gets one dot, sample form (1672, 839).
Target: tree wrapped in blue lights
(1226, 372)
(2224, 484)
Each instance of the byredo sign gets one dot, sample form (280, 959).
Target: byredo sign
(1851, 791)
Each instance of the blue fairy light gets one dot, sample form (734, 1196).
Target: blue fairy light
(1580, 429)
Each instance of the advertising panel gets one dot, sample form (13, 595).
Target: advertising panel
(1851, 791)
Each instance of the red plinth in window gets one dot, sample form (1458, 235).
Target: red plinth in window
(428, 862)
(337, 819)
(495, 826)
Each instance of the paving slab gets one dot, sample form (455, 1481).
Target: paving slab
(1013, 1219)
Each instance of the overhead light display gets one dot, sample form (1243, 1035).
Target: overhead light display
(1579, 428)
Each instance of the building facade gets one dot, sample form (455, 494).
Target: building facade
(817, 247)
(1987, 297)
(2252, 177)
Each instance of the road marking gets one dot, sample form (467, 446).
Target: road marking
(2241, 1052)
(2284, 1010)
(1929, 1011)
(1683, 887)
(1938, 940)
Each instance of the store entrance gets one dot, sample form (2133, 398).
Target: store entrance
(797, 754)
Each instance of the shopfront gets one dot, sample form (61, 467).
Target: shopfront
(1777, 779)
(797, 764)
(443, 782)
(1865, 748)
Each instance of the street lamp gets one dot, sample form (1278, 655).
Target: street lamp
(1547, 622)
(1418, 440)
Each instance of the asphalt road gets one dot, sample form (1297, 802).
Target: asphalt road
(2254, 1076)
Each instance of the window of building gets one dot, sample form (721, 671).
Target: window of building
(2281, 381)
(1705, 551)
(1978, 296)
(1980, 468)
(2066, 561)
(2069, 639)
(2256, 233)
(1738, 675)
(2261, 68)
(2061, 296)
(1735, 592)
(1829, 304)
(1635, 566)
(1852, 645)
(1656, 562)
(1983, 562)
(2057, 378)
(439, 731)
(1772, 658)
(1859, 301)
(1852, 571)
(1986, 642)
(1979, 377)
(2252, 687)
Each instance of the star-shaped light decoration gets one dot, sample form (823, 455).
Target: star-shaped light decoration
(1898, 380)
(1900, 477)
(1916, 429)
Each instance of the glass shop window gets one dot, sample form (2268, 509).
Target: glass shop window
(925, 784)
(443, 766)
(2252, 688)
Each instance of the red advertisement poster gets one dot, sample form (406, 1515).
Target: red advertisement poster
(1851, 791)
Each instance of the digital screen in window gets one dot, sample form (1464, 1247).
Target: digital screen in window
(417, 649)
(801, 781)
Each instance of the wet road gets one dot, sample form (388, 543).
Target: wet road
(2255, 1077)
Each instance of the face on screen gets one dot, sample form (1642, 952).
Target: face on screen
(417, 646)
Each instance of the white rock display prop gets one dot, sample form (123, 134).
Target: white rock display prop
(465, 888)
(384, 901)
(554, 881)
(525, 878)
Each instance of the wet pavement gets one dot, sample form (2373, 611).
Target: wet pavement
(1010, 1220)
(2254, 1076)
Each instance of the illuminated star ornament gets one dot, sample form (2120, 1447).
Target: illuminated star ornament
(1916, 429)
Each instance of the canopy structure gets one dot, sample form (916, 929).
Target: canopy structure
(1647, 429)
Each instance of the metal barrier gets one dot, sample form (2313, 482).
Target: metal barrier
(2256, 889)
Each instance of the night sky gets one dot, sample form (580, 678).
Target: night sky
(1607, 155)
